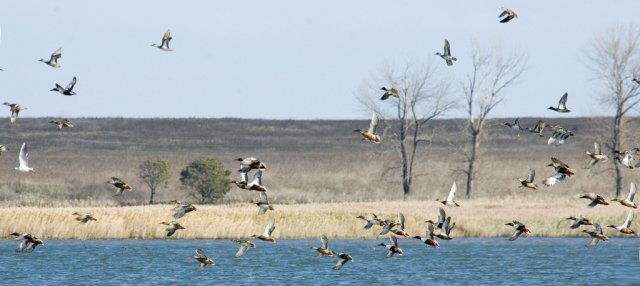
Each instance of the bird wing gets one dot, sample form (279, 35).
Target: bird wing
(594, 241)
(401, 220)
(374, 123)
(23, 157)
(447, 48)
(557, 177)
(557, 161)
(166, 38)
(441, 216)
(242, 250)
(532, 175)
(269, 229)
(627, 222)
(71, 84)
(562, 104)
(369, 224)
(263, 198)
(257, 178)
(515, 235)
(181, 212)
(325, 241)
(505, 12)
(452, 192)
(56, 55)
(632, 192)
(446, 226)
(430, 231)
(339, 264)
(596, 148)
(591, 163)
(597, 228)
(394, 240)
(116, 180)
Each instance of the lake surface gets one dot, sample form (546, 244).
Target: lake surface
(470, 261)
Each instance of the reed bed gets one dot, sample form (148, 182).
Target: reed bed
(545, 216)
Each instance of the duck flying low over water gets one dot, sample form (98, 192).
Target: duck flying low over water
(28, 242)
(519, 229)
(263, 204)
(442, 216)
(578, 221)
(53, 60)
(120, 185)
(399, 230)
(596, 235)
(324, 249)
(508, 13)
(538, 128)
(266, 235)
(528, 182)
(595, 199)
(244, 246)
(562, 104)
(166, 38)
(64, 123)
(451, 199)
(628, 201)
(183, 209)
(626, 225)
(596, 156)
(370, 134)
(344, 258)
(429, 240)
(447, 226)
(84, 217)
(15, 110)
(391, 92)
(371, 222)
(201, 257)
(392, 248)
(447, 53)
(68, 91)
(388, 225)
(173, 227)
(23, 160)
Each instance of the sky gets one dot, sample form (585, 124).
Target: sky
(286, 59)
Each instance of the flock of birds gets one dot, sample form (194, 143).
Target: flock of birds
(393, 228)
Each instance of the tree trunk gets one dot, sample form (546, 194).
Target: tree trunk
(406, 176)
(471, 163)
(617, 127)
(153, 192)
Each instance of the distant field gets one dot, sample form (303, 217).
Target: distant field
(309, 161)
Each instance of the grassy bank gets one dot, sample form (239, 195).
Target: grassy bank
(476, 218)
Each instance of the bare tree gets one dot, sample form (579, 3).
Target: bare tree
(483, 90)
(422, 96)
(615, 61)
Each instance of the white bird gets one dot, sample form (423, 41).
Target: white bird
(451, 199)
(53, 61)
(447, 53)
(166, 38)
(24, 159)
(370, 134)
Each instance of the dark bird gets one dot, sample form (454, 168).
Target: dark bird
(519, 229)
(166, 38)
(562, 172)
(120, 185)
(515, 125)
(429, 239)
(508, 13)
(578, 221)
(68, 91)
(447, 53)
(28, 242)
(596, 235)
(344, 258)
(203, 259)
(173, 227)
(389, 92)
(183, 209)
(392, 248)
(84, 217)
(538, 128)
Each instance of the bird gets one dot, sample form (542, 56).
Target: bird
(578, 221)
(515, 125)
(519, 229)
(203, 259)
(626, 225)
(64, 123)
(429, 239)
(596, 235)
(447, 53)
(244, 246)
(120, 185)
(173, 226)
(53, 61)
(371, 222)
(595, 199)
(23, 159)
(256, 183)
(562, 172)
(248, 164)
(344, 258)
(442, 215)
(3, 149)
(399, 230)
(263, 204)
(627, 158)
(387, 226)
(166, 38)
(628, 201)
(596, 156)
(371, 133)
(266, 235)
(392, 248)
(28, 242)
(559, 135)
(15, 109)
(528, 182)
(68, 91)
(451, 199)
(389, 92)
(538, 128)
(324, 249)
(447, 226)
(508, 13)
(84, 217)
(562, 104)
(636, 80)
(183, 209)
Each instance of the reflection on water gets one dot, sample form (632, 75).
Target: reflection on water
(471, 261)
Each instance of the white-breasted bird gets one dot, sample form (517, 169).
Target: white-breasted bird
(23, 159)
(447, 53)
(68, 91)
(53, 60)
(451, 199)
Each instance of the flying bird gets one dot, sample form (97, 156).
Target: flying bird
(23, 159)
(84, 217)
(595, 199)
(451, 199)
(392, 248)
(399, 230)
(442, 216)
(447, 53)
(248, 164)
(596, 156)
(508, 13)
(562, 104)
(562, 172)
(626, 225)
(519, 229)
(53, 61)
(627, 158)
(28, 242)
(120, 185)
(324, 249)
(15, 109)
(203, 259)
(538, 128)
(371, 133)
(628, 201)
(596, 235)
(447, 226)
(183, 209)
(244, 246)
(166, 38)
(263, 203)
(68, 91)
(266, 235)
(173, 227)
(578, 221)
(344, 258)
(515, 125)
(528, 182)
(371, 222)
(64, 123)
(559, 135)
(389, 92)
(429, 239)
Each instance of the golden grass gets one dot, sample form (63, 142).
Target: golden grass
(543, 215)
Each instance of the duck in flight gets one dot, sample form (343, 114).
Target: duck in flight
(528, 182)
(28, 242)
(68, 91)
(201, 257)
(519, 229)
(15, 109)
(244, 246)
(447, 53)
(23, 159)
(64, 123)
(392, 248)
(628, 201)
(53, 60)
(596, 156)
(166, 38)
(626, 225)
(120, 185)
(596, 235)
(451, 199)
(391, 92)
(370, 134)
(324, 249)
(562, 104)
(508, 13)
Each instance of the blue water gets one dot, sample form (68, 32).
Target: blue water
(472, 261)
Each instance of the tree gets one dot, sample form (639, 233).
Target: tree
(207, 178)
(615, 61)
(483, 91)
(422, 96)
(154, 172)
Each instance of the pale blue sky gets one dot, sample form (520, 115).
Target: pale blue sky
(283, 59)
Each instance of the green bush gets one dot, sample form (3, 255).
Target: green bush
(207, 179)
(154, 172)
